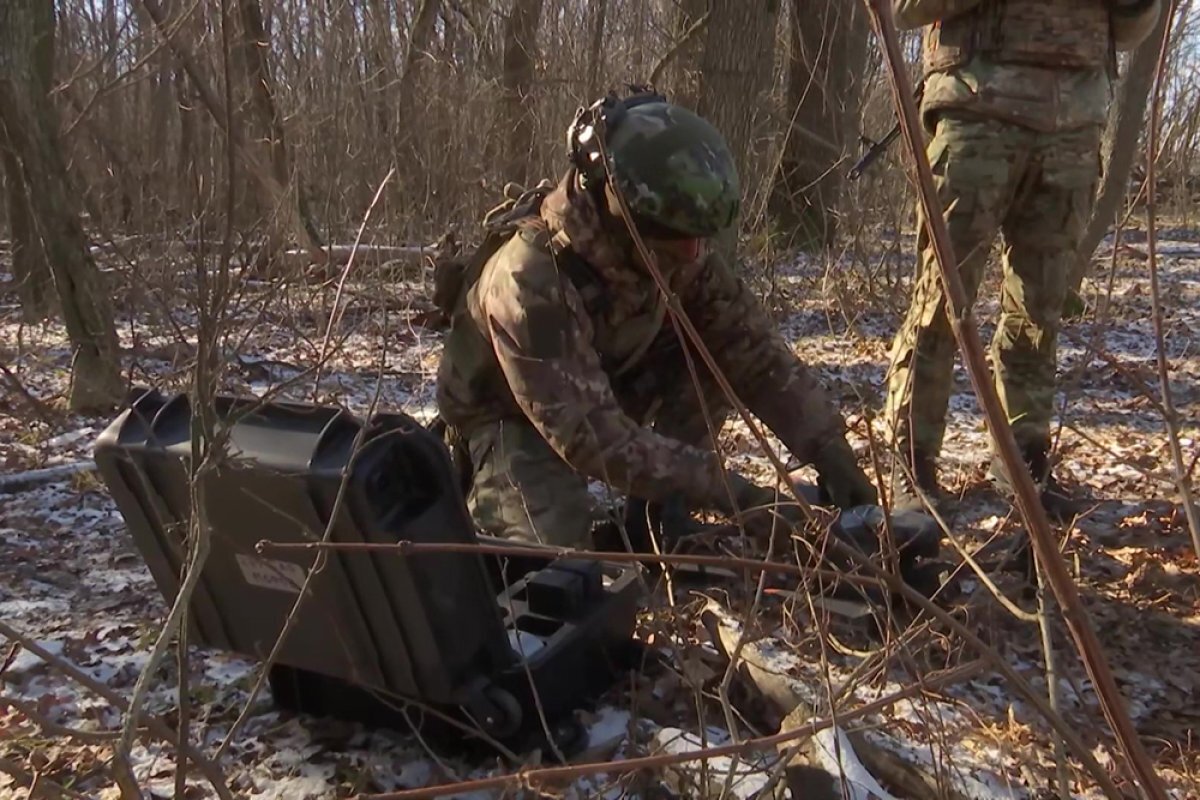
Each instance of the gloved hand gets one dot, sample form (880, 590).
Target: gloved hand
(841, 481)
(761, 511)
(916, 537)
(1129, 8)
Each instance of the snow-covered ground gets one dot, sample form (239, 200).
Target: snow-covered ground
(71, 578)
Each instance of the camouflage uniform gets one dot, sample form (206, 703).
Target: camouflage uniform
(551, 378)
(1015, 98)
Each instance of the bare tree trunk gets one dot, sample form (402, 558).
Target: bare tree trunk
(599, 9)
(520, 49)
(280, 197)
(186, 166)
(35, 285)
(380, 58)
(689, 49)
(259, 87)
(419, 40)
(29, 119)
(828, 42)
(734, 68)
(1126, 118)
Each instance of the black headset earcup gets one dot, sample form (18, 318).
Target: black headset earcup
(602, 118)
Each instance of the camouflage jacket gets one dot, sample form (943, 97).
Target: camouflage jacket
(1043, 64)
(530, 343)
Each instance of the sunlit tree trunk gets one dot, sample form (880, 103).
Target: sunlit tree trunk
(733, 70)
(828, 45)
(520, 49)
(35, 287)
(30, 122)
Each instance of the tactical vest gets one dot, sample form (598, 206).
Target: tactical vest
(471, 385)
(1062, 34)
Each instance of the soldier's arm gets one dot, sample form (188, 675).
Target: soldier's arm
(770, 379)
(1132, 21)
(542, 339)
(917, 13)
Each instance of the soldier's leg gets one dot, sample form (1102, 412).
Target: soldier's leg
(522, 490)
(1042, 232)
(974, 167)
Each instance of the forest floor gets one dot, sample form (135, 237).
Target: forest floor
(71, 578)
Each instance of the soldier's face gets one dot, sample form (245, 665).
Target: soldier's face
(676, 252)
(671, 248)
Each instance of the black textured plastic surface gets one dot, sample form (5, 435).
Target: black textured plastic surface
(374, 629)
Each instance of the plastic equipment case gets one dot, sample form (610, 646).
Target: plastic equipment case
(375, 629)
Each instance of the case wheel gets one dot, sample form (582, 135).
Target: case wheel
(503, 714)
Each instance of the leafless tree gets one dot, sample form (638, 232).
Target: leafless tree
(30, 123)
(827, 48)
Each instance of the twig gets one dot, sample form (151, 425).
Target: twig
(53, 728)
(201, 548)
(1170, 416)
(156, 726)
(334, 316)
(405, 547)
(1045, 609)
(36, 783)
(1028, 501)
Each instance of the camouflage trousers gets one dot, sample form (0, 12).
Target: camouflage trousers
(1035, 188)
(521, 489)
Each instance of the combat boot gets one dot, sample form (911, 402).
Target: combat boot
(1058, 503)
(922, 467)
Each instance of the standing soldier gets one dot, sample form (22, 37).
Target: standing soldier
(1016, 93)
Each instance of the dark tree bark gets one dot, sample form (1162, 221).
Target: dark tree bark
(266, 124)
(419, 40)
(35, 285)
(732, 76)
(599, 11)
(381, 63)
(517, 73)
(31, 125)
(828, 46)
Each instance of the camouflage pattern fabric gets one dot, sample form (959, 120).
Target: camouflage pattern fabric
(1016, 94)
(675, 169)
(590, 378)
(1043, 64)
(1036, 188)
(523, 490)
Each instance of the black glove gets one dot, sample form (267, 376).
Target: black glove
(1129, 8)
(841, 482)
(916, 538)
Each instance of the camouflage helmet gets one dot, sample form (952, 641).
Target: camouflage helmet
(672, 166)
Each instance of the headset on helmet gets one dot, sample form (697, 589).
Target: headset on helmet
(600, 119)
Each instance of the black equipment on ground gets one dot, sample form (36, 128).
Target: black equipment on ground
(377, 632)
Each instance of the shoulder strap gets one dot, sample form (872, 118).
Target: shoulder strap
(584, 278)
(454, 275)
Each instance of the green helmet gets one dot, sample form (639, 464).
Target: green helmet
(673, 167)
